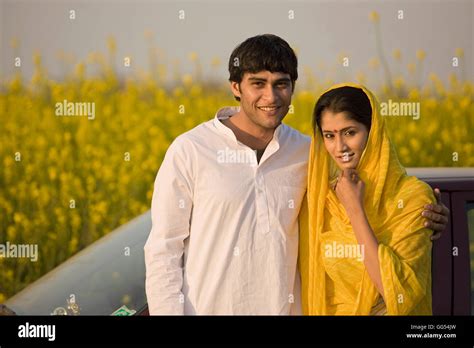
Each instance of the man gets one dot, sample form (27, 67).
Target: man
(227, 196)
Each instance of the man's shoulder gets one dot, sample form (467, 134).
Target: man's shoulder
(195, 135)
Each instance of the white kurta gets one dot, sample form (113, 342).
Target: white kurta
(224, 238)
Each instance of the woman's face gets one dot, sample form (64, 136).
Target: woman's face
(344, 138)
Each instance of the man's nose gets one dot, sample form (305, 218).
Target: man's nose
(270, 94)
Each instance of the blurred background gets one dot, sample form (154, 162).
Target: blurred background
(155, 69)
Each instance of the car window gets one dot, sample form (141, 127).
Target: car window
(470, 222)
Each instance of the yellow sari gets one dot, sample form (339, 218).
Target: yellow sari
(393, 202)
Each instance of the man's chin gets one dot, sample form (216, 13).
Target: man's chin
(272, 125)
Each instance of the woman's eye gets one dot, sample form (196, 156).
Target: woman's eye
(351, 132)
(328, 135)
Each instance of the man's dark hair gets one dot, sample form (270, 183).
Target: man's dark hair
(347, 99)
(263, 52)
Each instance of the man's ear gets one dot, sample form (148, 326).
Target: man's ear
(235, 88)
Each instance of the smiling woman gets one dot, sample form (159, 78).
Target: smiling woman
(355, 182)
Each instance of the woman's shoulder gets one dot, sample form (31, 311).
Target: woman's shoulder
(413, 193)
(415, 186)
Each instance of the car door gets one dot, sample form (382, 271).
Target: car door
(463, 248)
(442, 267)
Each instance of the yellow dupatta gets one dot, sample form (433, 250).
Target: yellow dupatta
(393, 201)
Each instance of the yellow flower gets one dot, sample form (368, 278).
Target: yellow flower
(111, 44)
(193, 56)
(411, 68)
(14, 44)
(17, 218)
(374, 16)
(80, 70)
(433, 77)
(414, 94)
(398, 82)
(73, 244)
(37, 59)
(148, 34)
(397, 54)
(52, 173)
(216, 62)
(420, 55)
(431, 103)
(459, 52)
(11, 233)
(361, 78)
(374, 63)
(187, 80)
(415, 144)
(465, 103)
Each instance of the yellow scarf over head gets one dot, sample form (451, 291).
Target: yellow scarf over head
(332, 282)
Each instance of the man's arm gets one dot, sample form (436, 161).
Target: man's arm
(437, 216)
(171, 213)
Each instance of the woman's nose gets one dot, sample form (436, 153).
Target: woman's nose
(341, 146)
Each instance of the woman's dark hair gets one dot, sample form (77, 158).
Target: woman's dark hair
(347, 99)
(263, 52)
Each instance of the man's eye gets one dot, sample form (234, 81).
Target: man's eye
(258, 84)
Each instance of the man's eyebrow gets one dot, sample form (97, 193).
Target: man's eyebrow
(283, 79)
(342, 130)
(257, 78)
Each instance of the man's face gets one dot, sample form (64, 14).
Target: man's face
(265, 97)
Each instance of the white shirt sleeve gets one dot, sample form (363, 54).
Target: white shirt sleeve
(171, 214)
(296, 308)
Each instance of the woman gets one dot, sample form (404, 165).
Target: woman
(363, 247)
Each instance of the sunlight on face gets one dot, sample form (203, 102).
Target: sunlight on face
(264, 97)
(344, 138)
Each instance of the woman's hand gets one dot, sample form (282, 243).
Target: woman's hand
(350, 191)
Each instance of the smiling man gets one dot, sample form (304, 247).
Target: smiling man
(224, 238)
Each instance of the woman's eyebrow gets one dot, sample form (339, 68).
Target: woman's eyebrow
(337, 131)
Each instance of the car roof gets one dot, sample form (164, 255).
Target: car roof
(102, 277)
(444, 173)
